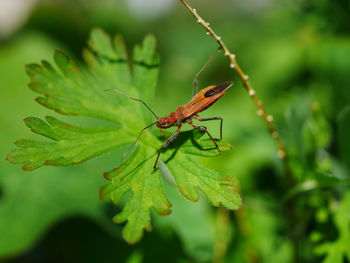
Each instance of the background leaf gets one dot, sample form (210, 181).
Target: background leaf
(296, 54)
(343, 133)
(337, 250)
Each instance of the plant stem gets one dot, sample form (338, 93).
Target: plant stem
(222, 234)
(244, 228)
(244, 78)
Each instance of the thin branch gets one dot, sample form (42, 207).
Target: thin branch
(244, 77)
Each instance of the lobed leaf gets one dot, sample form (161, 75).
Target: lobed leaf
(145, 66)
(195, 142)
(191, 176)
(74, 90)
(71, 145)
(146, 192)
(339, 249)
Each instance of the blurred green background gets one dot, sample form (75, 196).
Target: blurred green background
(297, 54)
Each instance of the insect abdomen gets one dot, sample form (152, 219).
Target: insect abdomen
(218, 89)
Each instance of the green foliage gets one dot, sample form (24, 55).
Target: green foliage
(317, 175)
(45, 199)
(32, 203)
(67, 147)
(136, 257)
(76, 91)
(343, 134)
(297, 56)
(187, 221)
(339, 249)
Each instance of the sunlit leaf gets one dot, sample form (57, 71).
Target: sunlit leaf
(74, 90)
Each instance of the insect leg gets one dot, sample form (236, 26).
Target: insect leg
(138, 137)
(211, 119)
(203, 128)
(195, 81)
(162, 132)
(166, 143)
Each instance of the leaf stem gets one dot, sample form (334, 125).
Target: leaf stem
(222, 234)
(282, 154)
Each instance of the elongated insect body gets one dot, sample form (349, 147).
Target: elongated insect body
(184, 114)
(201, 101)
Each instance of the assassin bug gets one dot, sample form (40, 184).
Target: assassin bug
(186, 113)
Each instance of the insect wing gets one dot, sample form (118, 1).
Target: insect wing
(207, 97)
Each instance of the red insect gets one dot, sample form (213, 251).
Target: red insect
(185, 114)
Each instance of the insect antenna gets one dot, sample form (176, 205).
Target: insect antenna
(143, 129)
(144, 103)
(210, 60)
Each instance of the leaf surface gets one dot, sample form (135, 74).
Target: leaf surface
(74, 90)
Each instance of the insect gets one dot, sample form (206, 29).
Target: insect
(187, 113)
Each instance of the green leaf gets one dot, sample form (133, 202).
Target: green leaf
(32, 204)
(147, 192)
(67, 148)
(136, 257)
(264, 224)
(337, 250)
(146, 64)
(190, 176)
(197, 243)
(73, 90)
(307, 134)
(136, 175)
